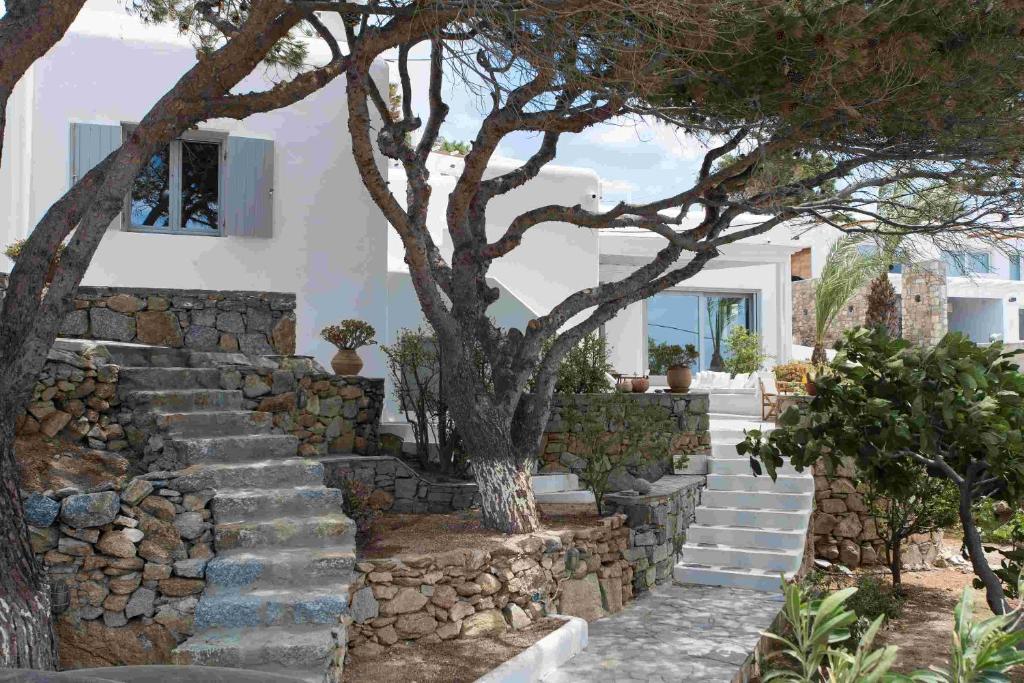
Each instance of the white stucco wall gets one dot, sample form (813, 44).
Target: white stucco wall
(329, 244)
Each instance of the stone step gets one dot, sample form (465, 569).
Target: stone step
(301, 651)
(696, 463)
(272, 607)
(768, 582)
(139, 355)
(169, 378)
(746, 537)
(566, 498)
(758, 499)
(215, 423)
(783, 483)
(741, 465)
(553, 483)
(233, 449)
(285, 532)
(237, 505)
(752, 518)
(719, 555)
(186, 400)
(268, 474)
(233, 570)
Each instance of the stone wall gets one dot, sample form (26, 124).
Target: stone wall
(467, 593)
(76, 397)
(657, 522)
(925, 303)
(255, 323)
(126, 565)
(843, 531)
(559, 452)
(396, 487)
(851, 315)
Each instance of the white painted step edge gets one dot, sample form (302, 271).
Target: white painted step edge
(566, 497)
(543, 657)
(553, 483)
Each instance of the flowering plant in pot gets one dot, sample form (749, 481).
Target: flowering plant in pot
(13, 251)
(679, 376)
(348, 336)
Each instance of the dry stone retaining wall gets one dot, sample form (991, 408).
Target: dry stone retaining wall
(843, 531)
(76, 397)
(396, 487)
(126, 565)
(560, 452)
(467, 593)
(657, 523)
(255, 323)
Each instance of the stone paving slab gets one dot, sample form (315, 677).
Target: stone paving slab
(674, 634)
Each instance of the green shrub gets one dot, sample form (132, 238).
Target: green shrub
(585, 368)
(746, 351)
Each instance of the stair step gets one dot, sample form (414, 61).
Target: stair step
(187, 400)
(272, 607)
(758, 499)
(286, 532)
(734, 578)
(741, 465)
(233, 449)
(741, 558)
(169, 378)
(138, 355)
(746, 537)
(238, 505)
(566, 498)
(748, 482)
(267, 474)
(787, 520)
(696, 463)
(215, 423)
(553, 483)
(233, 570)
(302, 651)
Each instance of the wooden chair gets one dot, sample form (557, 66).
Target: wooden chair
(769, 401)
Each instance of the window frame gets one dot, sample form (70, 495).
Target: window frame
(220, 138)
(964, 262)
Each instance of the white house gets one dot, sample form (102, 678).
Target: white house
(280, 204)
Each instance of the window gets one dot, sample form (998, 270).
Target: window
(179, 190)
(1015, 266)
(206, 183)
(871, 250)
(960, 263)
(701, 319)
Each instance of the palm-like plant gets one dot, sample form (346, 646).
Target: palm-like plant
(846, 270)
(883, 310)
(722, 313)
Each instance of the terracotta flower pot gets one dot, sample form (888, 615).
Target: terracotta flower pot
(641, 385)
(810, 387)
(346, 362)
(624, 384)
(680, 379)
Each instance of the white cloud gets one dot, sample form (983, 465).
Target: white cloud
(636, 134)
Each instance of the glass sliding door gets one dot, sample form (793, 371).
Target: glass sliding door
(704, 319)
(672, 318)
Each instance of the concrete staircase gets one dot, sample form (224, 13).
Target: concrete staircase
(749, 530)
(277, 589)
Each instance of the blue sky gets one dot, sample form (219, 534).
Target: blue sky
(636, 161)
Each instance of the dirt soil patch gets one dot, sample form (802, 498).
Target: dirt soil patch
(450, 661)
(924, 630)
(394, 534)
(54, 464)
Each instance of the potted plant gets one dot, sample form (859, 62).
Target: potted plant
(641, 384)
(348, 336)
(680, 377)
(13, 251)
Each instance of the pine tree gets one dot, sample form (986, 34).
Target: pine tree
(883, 306)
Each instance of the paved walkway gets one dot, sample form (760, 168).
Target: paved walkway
(674, 634)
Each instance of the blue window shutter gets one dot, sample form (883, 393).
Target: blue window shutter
(249, 187)
(1015, 267)
(90, 144)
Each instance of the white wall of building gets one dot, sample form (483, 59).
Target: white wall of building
(329, 242)
(977, 318)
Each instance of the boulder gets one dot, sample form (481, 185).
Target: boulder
(108, 324)
(125, 303)
(190, 525)
(92, 644)
(54, 422)
(159, 507)
(415, 625)
(179, 588)
(90, 509)
(40, 511)
(43, 538)
(582, 598)
(136, 491)
(364, 606)
(159, 328)
(849, 553)
(117, 544)
(849, 526)
(486, 623)
(407, 600)
(283, 336)
(460, 610)
(140, 604)
(516, 617)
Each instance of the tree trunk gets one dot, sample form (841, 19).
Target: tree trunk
(26, 627)
(896, 562)
(994, 595)
(818, 356)
(506, 493)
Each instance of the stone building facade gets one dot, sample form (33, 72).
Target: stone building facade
(924, 307)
